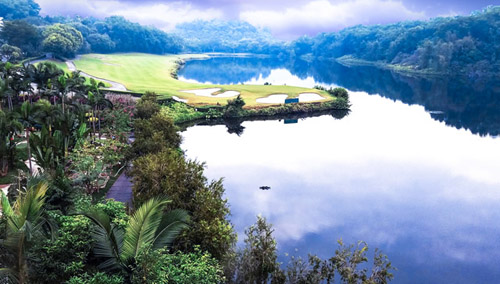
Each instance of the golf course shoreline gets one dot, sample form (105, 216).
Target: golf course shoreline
(141, 73)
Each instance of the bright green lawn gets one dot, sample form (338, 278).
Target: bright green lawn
(147, 72)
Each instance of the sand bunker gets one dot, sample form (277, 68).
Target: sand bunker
(176, 98)
(209, 93)
(273, 99)
(310, 97)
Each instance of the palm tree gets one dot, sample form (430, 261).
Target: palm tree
(97, 101)
(25, 221)
(148, 228)
(7, 71)
(27, 117)
(41, 73)
(9, 126)
(47, 113)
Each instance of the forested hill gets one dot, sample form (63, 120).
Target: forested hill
(227, 36)
(28, 34)
(462, 44)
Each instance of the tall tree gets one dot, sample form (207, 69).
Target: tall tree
(27, 116)
(23, 35)
(62, 40)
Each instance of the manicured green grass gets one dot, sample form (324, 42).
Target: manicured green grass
(147, 72)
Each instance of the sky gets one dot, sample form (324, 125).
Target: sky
(287, 19)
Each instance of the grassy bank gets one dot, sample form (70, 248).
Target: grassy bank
(147, 72)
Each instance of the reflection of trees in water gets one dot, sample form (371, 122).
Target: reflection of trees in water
(229, 70)
(470, 104)
(234, 125)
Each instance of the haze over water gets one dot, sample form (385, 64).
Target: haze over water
(425, 192)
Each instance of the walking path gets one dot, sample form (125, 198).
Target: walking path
(115, 86)
(121, 189)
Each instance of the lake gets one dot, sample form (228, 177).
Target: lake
(413, 169)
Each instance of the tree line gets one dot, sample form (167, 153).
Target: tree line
(462, 44)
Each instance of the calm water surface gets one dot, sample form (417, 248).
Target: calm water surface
(414, 169)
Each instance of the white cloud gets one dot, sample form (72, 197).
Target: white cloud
(322, 15)
(162, 15)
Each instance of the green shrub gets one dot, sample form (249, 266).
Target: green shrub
(116, 211)
(156, 266)
(181, 112)
(55, 261)
(98, 278)
(147, 106)
(154, 135)
(234, 107)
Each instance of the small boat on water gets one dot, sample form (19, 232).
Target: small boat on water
(265, 187)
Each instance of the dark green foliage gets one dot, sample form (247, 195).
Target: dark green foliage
(151, 227)
(55, 261)
(463, 44)
(227, 36)
(101, 43)
(97, 278)
(177, 268)
(147, 106)
(154, 135)
(62, 40)
(132, 37)
(21, 34)
(336, 92)
(168, 173)
(18, 9)
(258, 263)
(234, 107)
(11, 53)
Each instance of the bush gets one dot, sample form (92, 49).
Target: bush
(147, 106)
(154, 135)
(234, 107)
(156, 266)
(339, 93)
(98, 278)
(55, 261)
(181, 112)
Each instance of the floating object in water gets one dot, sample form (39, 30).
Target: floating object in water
(265, 187)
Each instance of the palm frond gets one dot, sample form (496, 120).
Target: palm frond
(142, 227)
(10, 273)
(108, 239)
(170, 227)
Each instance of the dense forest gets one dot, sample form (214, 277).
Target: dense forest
(25, 29)
(461, 44)
(224, 36)
(26, 34)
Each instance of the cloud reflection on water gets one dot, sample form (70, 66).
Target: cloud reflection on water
(388, 174)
